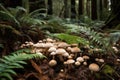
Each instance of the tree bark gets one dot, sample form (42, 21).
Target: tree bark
(114, 18)
(94, 9)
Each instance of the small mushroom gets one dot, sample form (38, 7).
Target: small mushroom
(77, 63)
(80, 59)
(52, 62)
(53, 54)
(118, 60)
(49, 40)
(52, 49)
(75, 51)
(85, 63)
(60, 52)
(86, 57)
(94, 67)
(101, 60)
(96, 59)
(63, 45)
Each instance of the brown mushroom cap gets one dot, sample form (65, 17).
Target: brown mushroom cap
(47, 45)
(53, 53)
(66, 54)
(101, 60)
(52, 62)
(80, 59)
(39, 45)
(75, 50)
(74, 45)
(77, 63)
(52, 49)
(70, 61)
(86, 57)
(85, 63)
(49, 40)
(94, 67)
(63, 45)
(60, 51)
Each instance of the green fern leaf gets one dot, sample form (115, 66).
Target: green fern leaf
(6, 75)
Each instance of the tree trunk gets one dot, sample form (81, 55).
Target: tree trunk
(94, 9)
(114, 18)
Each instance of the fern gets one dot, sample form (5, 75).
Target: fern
(71, 38)
(93, 35)
(15, 60)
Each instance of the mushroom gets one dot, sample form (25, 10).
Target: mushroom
(70, 61)
(63, 45)
(49, 40)
(96, 59)
(60, 52)
(94, 67)
(52, 49)
(75, 50)
(74, 45)
(53, 54)
(85, 63)
(77, 63)
(86, 57)
(101, 60)
(80, 59)
(52, 62)
(118, 60)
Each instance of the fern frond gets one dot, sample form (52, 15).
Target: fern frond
(8, 17)
(71, 38)
(93, 35)
(15, 60)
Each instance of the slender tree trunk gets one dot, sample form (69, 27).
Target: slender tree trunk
(50, 7)
(73, 14)
(94, 9)
(67, 5)
(80, 7)
(25, 4)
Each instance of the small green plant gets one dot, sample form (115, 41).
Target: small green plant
(71, 38)
(15, 60)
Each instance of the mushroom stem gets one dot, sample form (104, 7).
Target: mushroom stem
(61, 58)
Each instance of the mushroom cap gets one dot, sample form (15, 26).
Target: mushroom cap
(75, 50)
(101, 60)
(118, 60)
(80, 59)
(68, 49)
(85, 63)
(47, 45)
(77, 63)
(96, 59)
(52, 62)
(74, 45)
(86, 57)
(49, 40)
(70, 61)
(94, 67)
(41, 45)
(52, 49)
(63, 45)
(53, 53)
(60, 51)
(70, 57)
(66, 54)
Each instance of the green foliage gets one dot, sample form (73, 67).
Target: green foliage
(95, 37)
(114, 37)
(15, 60)
(71, 38)
(108, 70)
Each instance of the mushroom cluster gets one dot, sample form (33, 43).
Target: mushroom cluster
(68, 54)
